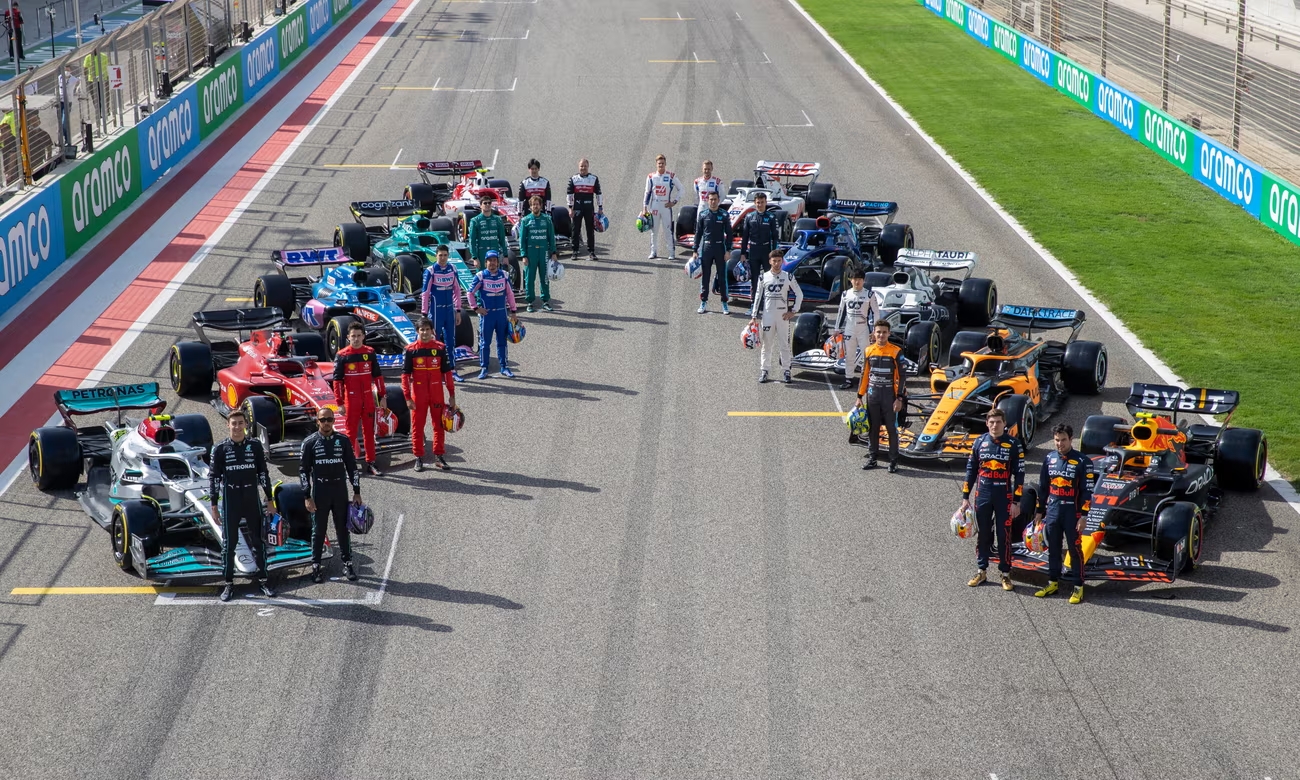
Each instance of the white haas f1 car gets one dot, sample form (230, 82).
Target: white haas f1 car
(147, 485)
(792, 190)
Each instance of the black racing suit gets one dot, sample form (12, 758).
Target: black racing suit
(995, 470)
(584, 199)
(713, 245)
(325, 469)
(760, 232)
(1065, 488)
(238, 469)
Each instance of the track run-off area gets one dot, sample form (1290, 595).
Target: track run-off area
(619, 578)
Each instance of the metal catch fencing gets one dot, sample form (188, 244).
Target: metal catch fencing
(72, 104)
(1220, 66)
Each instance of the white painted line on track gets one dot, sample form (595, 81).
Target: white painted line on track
(495, 152)
(807, 122)
(1274, 479)
(373, 598)
(826, 377)
(393, 166)
(766, 60)
(513, 39)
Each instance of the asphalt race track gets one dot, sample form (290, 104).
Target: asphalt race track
(619, 580)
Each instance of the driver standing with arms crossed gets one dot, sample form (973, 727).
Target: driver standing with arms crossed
(238, 470)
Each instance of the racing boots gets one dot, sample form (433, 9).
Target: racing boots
(483, 374)
(349, 572)
(1077, 596)
(266, 589)
(529, 308)
(980, 578)
(419, 465)
(893, 467)
(546, 306)
(870, 464)
(762, 377)
(317, 573)
(726, 311)
(441, 463)
(704, 307)
(507, 373)
(848, 384)
(373, 470)
(227, 591)
(1006, 582)
(1048, 590)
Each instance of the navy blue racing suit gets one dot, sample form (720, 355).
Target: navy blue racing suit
(995, 470)
(1065, 488)
(713, 245)
(440, 301)
(492, 292)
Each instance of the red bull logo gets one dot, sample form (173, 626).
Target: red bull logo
(994, 469)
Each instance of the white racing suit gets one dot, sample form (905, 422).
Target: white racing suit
(855, 319)
(771, 301)
(660, 190)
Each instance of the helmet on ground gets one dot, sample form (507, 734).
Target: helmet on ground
(1036, 537)
(555, 271)
(515, 331)
(749, 337)
(858, 422)
(277, 531)
(463, 354)
(740, 272)
(963, 523)
(644, 222)
(385, 423)
(452, 420)
(360, 518)
(601, 223)
(834, 346)
(694, 268)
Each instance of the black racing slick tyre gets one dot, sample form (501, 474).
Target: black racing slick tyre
(1022, 420)
(135, 518)
(336, 333)
(818, 199)
(54, 458)
(965, 341)
(686, 218)
(1241, 458)
(805, 223)
(1098, 433)
(560, 219)
(355, 241)
(465, 331)
(194, 430)
(443, 225)
(190, 368)
(275, 291)
(922, 344)
(977, 302)
(1178, 535)
(423, 195)
(893, 238)
(1086, 367)
(267, 412)
(309, 345)
(406, 274)
(807, 332)
(736, 184)
(397, 404)
(291, 504)
(872, 280)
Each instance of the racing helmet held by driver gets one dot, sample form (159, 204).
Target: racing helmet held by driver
(601, 223)
(644, 222)
(1035, 537)
(515, 331)
(360, 518)
(963, 523)
(694, 268)
(452, 420)
(555, 271)
(858, 421)
(749, 338)
(385, 423)
(834, 346)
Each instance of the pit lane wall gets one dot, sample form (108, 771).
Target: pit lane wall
(53, 224)
(1264, 195)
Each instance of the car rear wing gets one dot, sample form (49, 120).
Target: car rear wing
(863, 208)
(1029, 318)
(238, 320)
(113, 398)
(792, 169)
(296, 258)
(448, 168)
(375, 209)
(1171, 398)
(937, 260)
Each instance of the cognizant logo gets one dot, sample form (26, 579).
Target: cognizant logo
(1283, 209)
(100, 187)
(1115, 105)
(25, 247)
(220, 95)
(292, 35)
(170, 134)
(261, 61)
(1074, 81)
(1227, 173)
(1167, 136)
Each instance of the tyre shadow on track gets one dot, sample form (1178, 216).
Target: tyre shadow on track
(1124, 600)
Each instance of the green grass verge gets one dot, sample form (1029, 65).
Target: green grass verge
(1203, 284)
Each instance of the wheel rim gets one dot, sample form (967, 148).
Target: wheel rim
(934, 345)
(1027, 426)
(34, 457)
(174, 369)
(331, 339)
(259, 295)
(119, 538)
(993, 301)
(1103, 368)
(1194, 538)
(1261, 462)
(338, 237)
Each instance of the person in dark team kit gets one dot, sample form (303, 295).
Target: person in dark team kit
(712, 247)
(1065, 488)
(325, 469)
(585, 202)
(760, 232)
(238, 471)
(995, 471)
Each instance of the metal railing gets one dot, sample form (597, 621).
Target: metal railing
(1228, 71)
(70, 105)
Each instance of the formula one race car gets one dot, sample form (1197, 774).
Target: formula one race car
(1028, 379)
(279, 378)
(332, 300)
(147, 485)
(401, 249)
(880, 238)
(786, 192)
(925, 286)
(1159, 480)
(820, 259)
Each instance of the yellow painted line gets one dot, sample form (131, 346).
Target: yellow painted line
(239, 300)
(364, 165)
(786, 414)
(692, 62)
(127, 590)
(703, 124)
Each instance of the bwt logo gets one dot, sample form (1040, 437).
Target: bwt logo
(1038, 60)
(1074, 81)
(1227, 173)
(292, 36)
(978, 24)
(25, 248)
(261, 62)
(1167, 136)
(100, 188)
(1283, 209)
(1006, 42)
(220, 95)
(170, 134)
(1115, 105)
(318, 16)
(956, 12)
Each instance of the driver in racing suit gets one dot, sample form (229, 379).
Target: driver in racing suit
(585, 201)
(707, 183)
(855, 319)
(712, 246)
(487, 232)
(1065, 489)
(425, 370)
(760, 232)
(535, 184)
(995, 470)
(772, 306)
(662, 192)
(537, 245)
(440, 300)
(326, 466)
(357, 380)
(491, 296)
(238, 469)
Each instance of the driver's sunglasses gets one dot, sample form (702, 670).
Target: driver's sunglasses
(329, 420)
